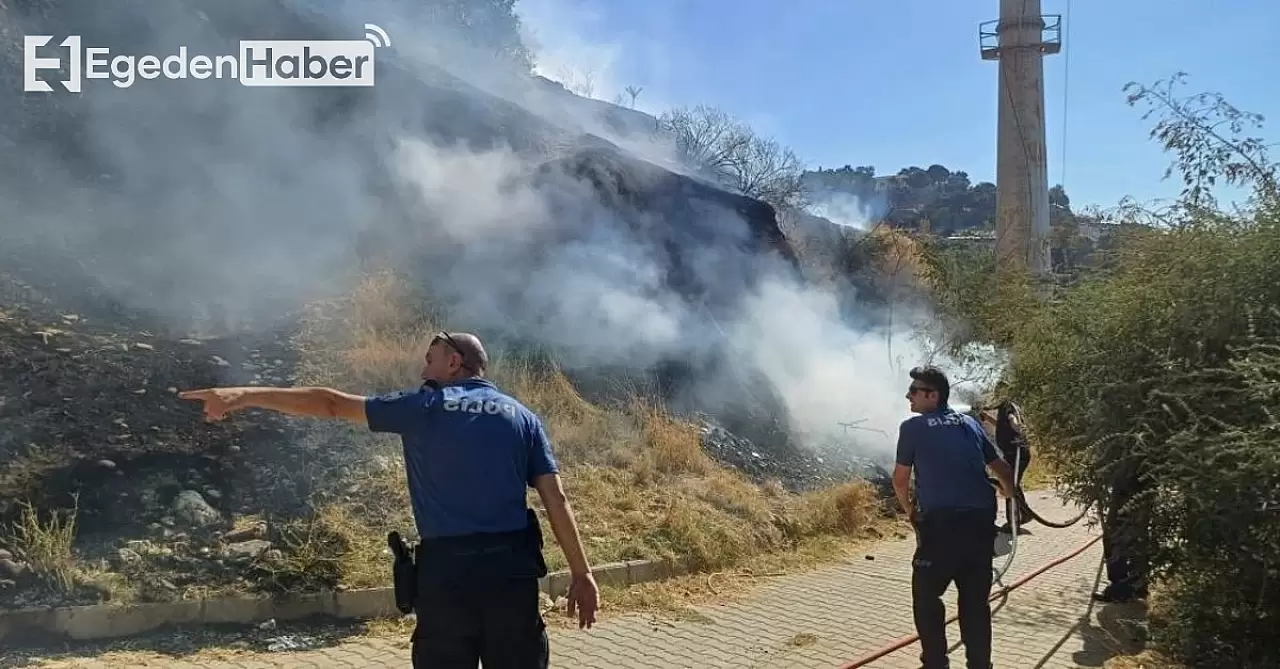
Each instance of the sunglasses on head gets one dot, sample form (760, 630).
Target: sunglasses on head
(444, 337)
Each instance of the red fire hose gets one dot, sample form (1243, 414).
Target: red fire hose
(908, 640)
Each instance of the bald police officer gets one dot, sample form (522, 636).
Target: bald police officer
(471, 451)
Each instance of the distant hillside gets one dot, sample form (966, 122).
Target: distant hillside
(943, 202)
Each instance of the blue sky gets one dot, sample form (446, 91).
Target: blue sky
(900, 82)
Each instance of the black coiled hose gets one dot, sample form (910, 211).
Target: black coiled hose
(1031, 513)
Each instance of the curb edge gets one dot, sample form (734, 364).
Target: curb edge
(113, 621)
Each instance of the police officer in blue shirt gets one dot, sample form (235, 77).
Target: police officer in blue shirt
(954, 513)
(471, 452)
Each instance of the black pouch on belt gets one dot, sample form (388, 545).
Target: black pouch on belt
(404, 573)
(534, 530)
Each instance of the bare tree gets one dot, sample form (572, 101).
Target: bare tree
(634, 92)
(764, 169)
(706, 138)
(728, 151)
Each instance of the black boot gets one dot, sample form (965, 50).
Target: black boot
(1116, 594)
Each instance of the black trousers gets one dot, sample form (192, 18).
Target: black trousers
(1123, 575)
(462, 623)
(953, 545)
(1124, 535)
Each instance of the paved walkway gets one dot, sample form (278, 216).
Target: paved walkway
(821, 619)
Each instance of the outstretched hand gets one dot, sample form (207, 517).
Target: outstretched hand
(584, 598)
(218, 402)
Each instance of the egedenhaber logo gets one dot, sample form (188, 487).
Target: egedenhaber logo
(259, 63)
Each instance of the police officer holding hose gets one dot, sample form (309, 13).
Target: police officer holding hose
(471, 451)
(953, 512)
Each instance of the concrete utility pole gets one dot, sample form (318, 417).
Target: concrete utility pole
(1019, 40)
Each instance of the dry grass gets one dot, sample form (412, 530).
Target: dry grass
(639, 481)
(47, 546)
(899, 256)
(334, 546)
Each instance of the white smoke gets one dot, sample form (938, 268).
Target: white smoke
(847, 210)
(554, 31)
(226, 205)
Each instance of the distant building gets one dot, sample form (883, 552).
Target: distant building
(972, 238)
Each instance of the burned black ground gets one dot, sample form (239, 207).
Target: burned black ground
(169, 506)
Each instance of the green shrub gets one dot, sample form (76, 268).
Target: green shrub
(1170, 369)
(1163, 363)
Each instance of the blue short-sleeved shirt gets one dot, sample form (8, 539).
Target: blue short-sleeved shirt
(949, 453)
(470, 452)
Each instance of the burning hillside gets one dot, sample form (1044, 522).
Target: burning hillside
(178, 235)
